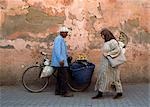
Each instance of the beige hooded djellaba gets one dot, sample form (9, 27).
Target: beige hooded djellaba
(108, 76)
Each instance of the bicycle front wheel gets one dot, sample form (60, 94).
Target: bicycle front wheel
(31, 79)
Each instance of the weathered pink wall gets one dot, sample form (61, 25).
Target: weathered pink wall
(30, 26)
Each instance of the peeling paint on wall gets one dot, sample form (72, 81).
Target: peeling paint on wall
(35, 21)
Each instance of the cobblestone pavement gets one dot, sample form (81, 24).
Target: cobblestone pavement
(135, 95)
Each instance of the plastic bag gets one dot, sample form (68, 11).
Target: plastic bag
(47, 71)
(46, 62)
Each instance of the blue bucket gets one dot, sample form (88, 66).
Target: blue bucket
(82, 72)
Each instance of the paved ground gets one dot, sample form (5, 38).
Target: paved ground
(137, 95)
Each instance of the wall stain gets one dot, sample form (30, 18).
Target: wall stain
(35, 21)
(142, 37)
(130, 24)
(26, 37)
(134, 31)
(36, 16)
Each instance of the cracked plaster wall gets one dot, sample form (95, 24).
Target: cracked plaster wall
(30, 26)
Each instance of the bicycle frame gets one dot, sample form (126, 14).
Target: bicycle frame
(72, 86)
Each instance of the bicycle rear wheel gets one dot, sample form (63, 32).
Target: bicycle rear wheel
(31, 79)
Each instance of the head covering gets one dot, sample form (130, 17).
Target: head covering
(63, 29)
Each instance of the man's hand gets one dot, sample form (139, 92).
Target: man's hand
(61, 63)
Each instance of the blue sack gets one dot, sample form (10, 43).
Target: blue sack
(82, 71)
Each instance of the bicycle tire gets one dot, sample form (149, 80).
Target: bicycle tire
(77, 88)
(73, 87)
(31, 85)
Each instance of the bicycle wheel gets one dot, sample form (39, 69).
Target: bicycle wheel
(31, 79)
(74, 86)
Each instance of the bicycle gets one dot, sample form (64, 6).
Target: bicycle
(33, 83)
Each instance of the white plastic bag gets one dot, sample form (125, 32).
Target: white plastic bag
(46, 62)
(47, 71)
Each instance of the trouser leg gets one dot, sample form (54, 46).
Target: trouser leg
(62, 80)
(58, 81)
